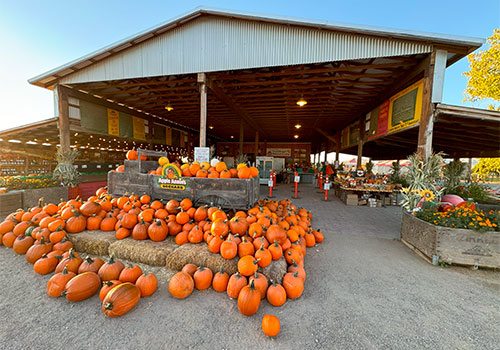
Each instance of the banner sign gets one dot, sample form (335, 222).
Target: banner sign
(379, 118)
(113, 122)
(405, 107)
(139, 128)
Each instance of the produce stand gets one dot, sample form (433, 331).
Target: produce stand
(227, 193)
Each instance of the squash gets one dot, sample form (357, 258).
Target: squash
(82, 287)
(121, 299)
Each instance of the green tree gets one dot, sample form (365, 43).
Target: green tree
(483, 78)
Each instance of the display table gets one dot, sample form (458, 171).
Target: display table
(305, 178)
(344, 193)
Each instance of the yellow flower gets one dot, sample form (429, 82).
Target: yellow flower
(428, 195)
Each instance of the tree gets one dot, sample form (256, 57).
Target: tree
(487, 167)
(483, 78)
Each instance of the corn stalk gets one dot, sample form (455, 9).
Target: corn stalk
(65, 172)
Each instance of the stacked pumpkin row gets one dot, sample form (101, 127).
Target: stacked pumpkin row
(74, 278)
(214, 170)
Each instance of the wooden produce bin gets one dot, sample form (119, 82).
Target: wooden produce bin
(455, 245)
(10, 202)
(226, 193)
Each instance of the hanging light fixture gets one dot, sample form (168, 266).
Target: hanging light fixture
(211, 127)
(169, 107)
(296, 136)
(301, 102)
(298, 126)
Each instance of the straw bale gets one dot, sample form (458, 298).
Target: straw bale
(92, 242)
(275, 271)
(147, 252)
(199, 255)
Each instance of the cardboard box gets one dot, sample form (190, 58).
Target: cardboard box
(352, 201)
(352, 197)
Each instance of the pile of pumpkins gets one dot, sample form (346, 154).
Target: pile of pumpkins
(44, 244)
(213, 170)
(268, 231)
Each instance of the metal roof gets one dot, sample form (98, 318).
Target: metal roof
(371, 41)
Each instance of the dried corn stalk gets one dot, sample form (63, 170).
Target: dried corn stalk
(65, 172)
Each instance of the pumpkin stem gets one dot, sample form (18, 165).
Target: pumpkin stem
(63, 293)
(71, 254)
(221, 271)
(262, 247)
(107, 283)
(108, 306)
(111, 259)
(252, 285)
(89, 260)
(44, 256)
(65, 270)
(256, 261)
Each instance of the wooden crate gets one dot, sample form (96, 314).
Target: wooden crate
(458, 246)
(10, 202)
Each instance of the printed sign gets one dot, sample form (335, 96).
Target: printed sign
(378, 121)
(327, 187)
(297, 179)
(202, 154)
(171, 178)
(270, 183)
(139, 128)
(113, 122)
(279, 152)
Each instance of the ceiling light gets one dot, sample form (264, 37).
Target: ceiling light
(169, 107)
(31, 143)
(301, 102)
(211, 127)
(296, 136)
(232, 136)
(76, 134)
(46, 144)
(298, 126)
(14, 141)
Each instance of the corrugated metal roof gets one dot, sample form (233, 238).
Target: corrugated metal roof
(266, 40)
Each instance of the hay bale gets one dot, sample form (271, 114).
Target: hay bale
(275, 271)
(147, 252)
(199, 255)
(92, 242)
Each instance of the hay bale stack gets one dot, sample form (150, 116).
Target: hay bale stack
(92, 242)
(275, 271)
(146, 252)
(199, 255)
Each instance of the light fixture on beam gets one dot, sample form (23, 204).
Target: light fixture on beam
(211, 127)
(232, 136)
(301, 102)
(295, 136)
(169, 107)
(298, 126)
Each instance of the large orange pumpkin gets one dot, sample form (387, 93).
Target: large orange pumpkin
(121, 299)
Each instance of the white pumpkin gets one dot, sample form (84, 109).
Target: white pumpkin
(214, 162)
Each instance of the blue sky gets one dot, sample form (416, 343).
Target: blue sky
(36, 36)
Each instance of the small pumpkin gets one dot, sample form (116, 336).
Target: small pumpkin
(76, 223)
(158, 230)
(22, 244)
(56, 283)
(203, 278)
(276, 294)
(260, 282)
(111, 270)
(82, 287)
(90, 208)
(228, 248)
(181, 285)
(130, 273)
(72, 262)
(220, 281)
(275, 250)
(190, 269)
(293, 284)
(65, 245)
(147, 284)
(264, 256)
(247, 265)
(45, 265)
(36, 251)
(270, 325)
(121, 299)
(235, 284)
(249, 299)
(90, 265)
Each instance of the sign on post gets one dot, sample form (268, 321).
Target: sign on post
(202, 154)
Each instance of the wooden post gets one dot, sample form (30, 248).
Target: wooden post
(426, 126)
(337, 147)
(469, 170)
(62, 113)
(240, 149)
(202, 79)
(360, 143)
(256, 151)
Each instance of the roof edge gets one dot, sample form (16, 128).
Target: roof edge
(470, 42)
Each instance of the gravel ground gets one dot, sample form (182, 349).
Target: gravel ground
(364, 290)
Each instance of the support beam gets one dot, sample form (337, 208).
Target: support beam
(62, 112)
(361, 142)
(426, 126)
(228, 101)
(256, 151)
(337, 147)
(202, 80)
(242, 136)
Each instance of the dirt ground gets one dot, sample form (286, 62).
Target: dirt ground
(364, 290)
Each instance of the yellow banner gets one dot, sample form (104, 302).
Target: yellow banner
(405, 108)
(139, 128)
(113, 122)
(168, 136)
